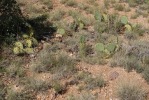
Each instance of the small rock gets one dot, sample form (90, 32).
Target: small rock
(113, 75)
(58, 36)
(32, 55)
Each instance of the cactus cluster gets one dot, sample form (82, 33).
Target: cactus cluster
(100, 17)
(77, 24)
(25, 45)
(128, 26)
(106, 49)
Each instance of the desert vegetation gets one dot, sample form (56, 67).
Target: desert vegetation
(74, 50)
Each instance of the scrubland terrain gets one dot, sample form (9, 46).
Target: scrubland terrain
(87, 50)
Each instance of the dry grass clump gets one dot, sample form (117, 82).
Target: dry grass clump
(130, 90)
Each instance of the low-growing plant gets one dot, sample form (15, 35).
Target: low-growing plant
(36, 84)
(15, 69)
(106, 3)
(130, 91)
(71, 3)
(92, 2)
(119, 7)
(84, 96)
(133, 56)
(92, 83)
(82, 47)
(58, 87)
(57, 15)
(19, 95)
(55, 63)
(48, 3)
(134, 16)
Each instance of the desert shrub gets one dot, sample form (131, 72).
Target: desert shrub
(130, 91)
(90, 82)
(57, 15)
(119, 7)
(15, 69)
(56, 63)
(36, 84)
(82, 96)
(133, 56)
(93, 83)
(58, 87)
(21, 95)
(134, 3)
(62, 64)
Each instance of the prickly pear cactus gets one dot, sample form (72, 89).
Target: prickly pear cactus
(61, 31)
(124, 20)
(25, 36)
(111, 47)
(34, 42)
(105, 17)
(99, 47)
(81, 25)
(19, 45)
(29, 50)
(16, 50)
(82, 39)
(106, 50)
(25, 45)
(128, 27)
(28, 43)
(98, 16)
